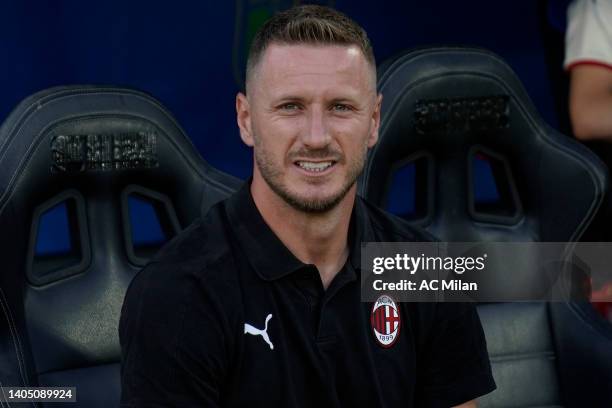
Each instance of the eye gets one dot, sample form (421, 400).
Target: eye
(341, 107)
(289, 106)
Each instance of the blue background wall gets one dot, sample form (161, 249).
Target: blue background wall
(190, 54)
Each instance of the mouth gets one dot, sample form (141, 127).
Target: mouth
(315, 167)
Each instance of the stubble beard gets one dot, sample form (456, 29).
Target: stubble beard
(272, 175)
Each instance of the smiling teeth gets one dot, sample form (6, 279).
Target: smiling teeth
(311, 166)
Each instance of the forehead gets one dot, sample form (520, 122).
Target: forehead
(288, 67)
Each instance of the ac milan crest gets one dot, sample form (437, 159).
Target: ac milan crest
(386, 321)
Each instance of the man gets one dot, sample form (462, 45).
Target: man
(259, 303)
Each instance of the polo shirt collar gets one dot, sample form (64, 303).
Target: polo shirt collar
(266, 253)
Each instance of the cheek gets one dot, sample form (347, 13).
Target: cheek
(357, 124)
(353, 137)
(274, 138)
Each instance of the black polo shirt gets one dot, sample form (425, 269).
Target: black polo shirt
(227, 316)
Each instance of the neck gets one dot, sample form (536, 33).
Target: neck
(314, 238)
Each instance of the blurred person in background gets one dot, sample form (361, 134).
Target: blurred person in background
(588, 60)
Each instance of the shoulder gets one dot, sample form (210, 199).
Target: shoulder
(389, 227)
(205, 240)
(197, 264)
(199, 251)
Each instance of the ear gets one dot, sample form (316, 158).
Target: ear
(373, 138)
(243, 118)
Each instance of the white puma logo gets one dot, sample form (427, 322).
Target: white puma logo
(257, 332)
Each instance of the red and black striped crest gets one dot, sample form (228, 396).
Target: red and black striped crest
(386, 321)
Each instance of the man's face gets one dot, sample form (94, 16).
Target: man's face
(311, 114)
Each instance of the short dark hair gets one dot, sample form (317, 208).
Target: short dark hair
(309, 24)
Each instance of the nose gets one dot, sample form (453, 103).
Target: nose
(316, 133)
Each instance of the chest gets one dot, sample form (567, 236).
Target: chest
(302, 346)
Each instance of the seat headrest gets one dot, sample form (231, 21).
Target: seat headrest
(446, 108)
(87, 136)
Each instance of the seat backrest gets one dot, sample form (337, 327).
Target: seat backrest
(457, 110)
(463, 153)
(93, 181)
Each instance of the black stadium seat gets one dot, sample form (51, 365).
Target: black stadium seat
(453, 120)
(93, 180)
